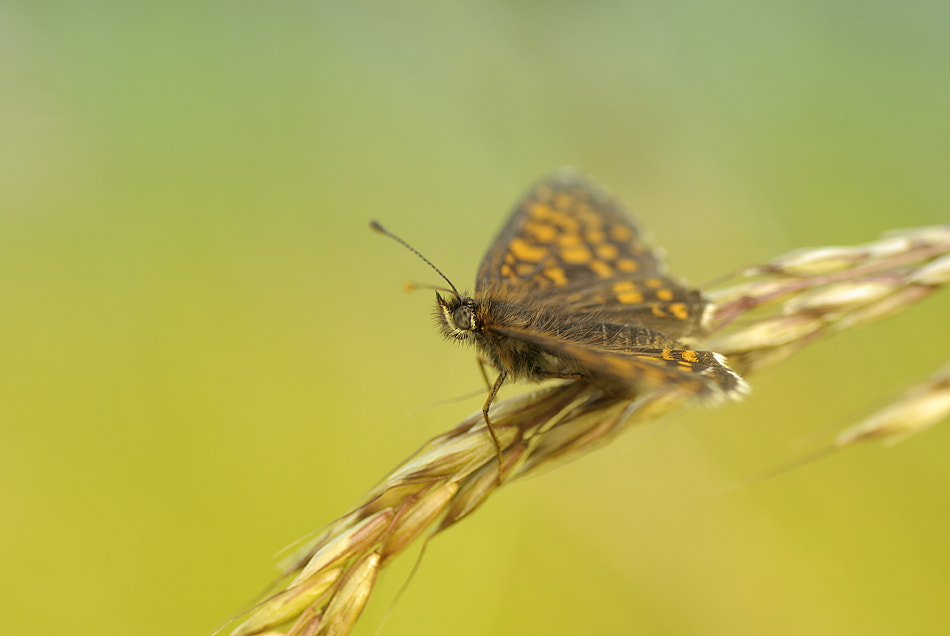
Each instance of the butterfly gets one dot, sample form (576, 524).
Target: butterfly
(570, 289)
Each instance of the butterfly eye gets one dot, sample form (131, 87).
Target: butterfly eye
(462, 317)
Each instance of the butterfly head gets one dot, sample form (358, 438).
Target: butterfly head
(457, 316)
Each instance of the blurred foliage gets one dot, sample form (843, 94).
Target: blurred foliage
(207, 353)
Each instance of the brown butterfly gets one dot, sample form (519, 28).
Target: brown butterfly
(569, 289)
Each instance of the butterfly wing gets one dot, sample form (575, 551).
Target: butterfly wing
(569, 245)
(701, 372)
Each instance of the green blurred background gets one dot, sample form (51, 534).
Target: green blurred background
(207, 354)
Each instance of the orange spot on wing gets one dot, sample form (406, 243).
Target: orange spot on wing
(556, 275)
(679, 310)
(576, 255)
(602, 269)
(524, 269)
(621, 233)
(543, 232)
(606, 251)
(630, 298)
(567, 223)
(664, 294)
(569, 240)
(525, 251)
(627, 265)
(540, 211)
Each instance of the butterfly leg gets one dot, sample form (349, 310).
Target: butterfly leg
(481, 367)
(491, 431)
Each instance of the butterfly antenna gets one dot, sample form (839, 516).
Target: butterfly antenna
(379, 228)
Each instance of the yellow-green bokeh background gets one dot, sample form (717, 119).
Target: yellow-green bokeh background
(206, 353)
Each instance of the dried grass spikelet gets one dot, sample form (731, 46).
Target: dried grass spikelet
(917, 410)
(783, 305)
